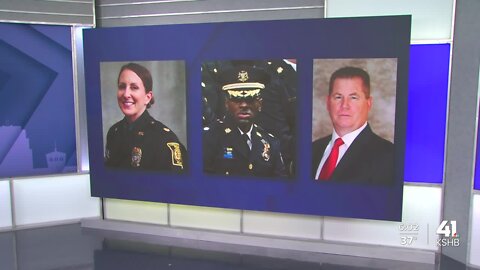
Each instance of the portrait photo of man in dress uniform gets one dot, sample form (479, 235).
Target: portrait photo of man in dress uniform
(353, 120)
(277, 115)
(234, 143)
(144, 115)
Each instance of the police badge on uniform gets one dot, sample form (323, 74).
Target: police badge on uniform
(136, 156)
(266, 150)
(176, 154)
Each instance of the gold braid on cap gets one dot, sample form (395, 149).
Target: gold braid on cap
(244, 93)
(243, 85)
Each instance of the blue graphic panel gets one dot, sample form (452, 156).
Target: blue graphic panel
(477, 172)
(427, 113)
(37, 122)
(476, 183)
(303, 40)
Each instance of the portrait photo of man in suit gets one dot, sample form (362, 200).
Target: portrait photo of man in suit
(353, 152)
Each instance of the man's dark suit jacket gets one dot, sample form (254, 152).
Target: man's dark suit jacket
(370, 159)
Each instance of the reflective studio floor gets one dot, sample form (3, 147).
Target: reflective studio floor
(70, 247)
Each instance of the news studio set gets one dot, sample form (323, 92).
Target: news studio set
(313, 134)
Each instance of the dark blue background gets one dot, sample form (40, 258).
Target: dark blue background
(304, 40)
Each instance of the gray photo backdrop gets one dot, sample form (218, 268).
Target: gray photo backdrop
(383, 81)
(169, 91)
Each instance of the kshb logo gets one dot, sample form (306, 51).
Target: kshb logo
(448, 232)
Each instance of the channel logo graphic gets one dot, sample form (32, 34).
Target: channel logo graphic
(447, 230)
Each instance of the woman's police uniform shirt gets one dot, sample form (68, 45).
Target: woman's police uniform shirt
(145, 144)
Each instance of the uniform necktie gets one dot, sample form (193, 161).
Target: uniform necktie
(331, 161)
(247, 142)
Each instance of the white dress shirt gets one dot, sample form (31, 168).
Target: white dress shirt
(249, 134)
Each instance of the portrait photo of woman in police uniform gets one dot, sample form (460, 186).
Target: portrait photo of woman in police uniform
(144, 122)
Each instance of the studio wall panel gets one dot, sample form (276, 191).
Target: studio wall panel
(283, 225)
(205, 218)
(145, 212)
(112, 13)
(80, 100)
(475, 232)
(421, 217)
(53, 199)
(431, 19)
(5, 205)
(476, 179)
(7, 248)
(66, 12)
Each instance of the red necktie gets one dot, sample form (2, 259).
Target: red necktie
(331, 161)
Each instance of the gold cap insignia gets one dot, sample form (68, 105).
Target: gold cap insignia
(136, 157)
(242, 76)
(250, 166)
(176, 154)
(279, 70)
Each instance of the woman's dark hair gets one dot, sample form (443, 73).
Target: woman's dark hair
(143, 74)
